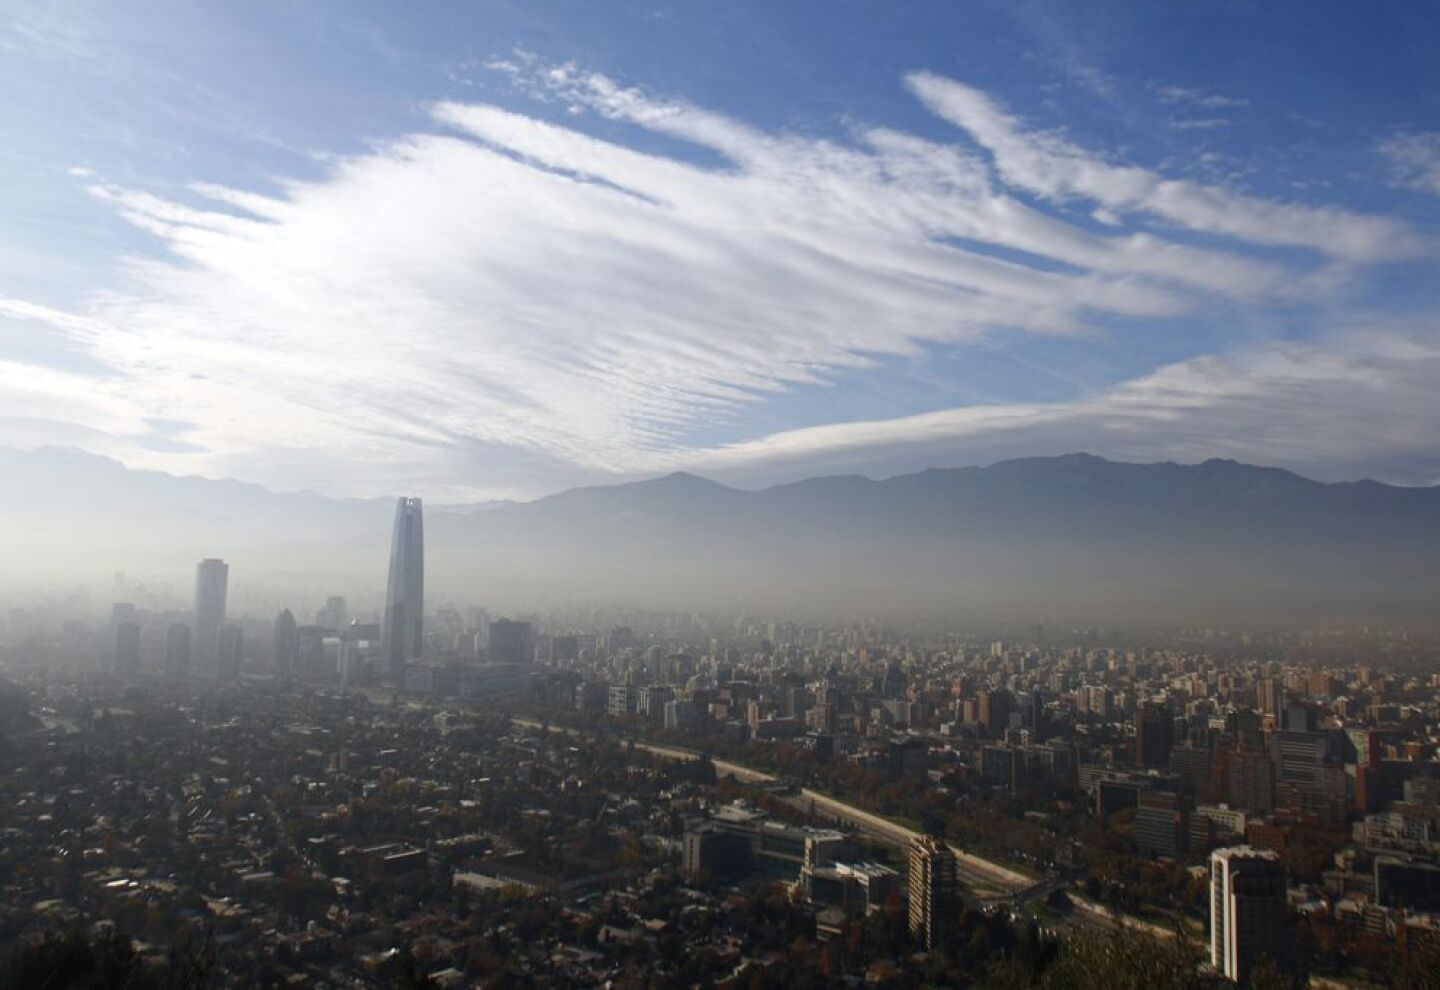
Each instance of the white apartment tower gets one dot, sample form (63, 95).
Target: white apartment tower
(1247, 911)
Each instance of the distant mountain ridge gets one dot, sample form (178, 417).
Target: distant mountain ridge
(1043, 535)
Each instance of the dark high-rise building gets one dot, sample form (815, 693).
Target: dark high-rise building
(894, 683)
(620, 638)
(405, 590)
(1270, 694)
(994, 710)
(1194, 765)
(934, 890)
(1039, 724)
(511, 642)
(1247, 727)
(227, 659)
(177, 651)
(1247, 912)
(1299, 717)
(310, 659)
(212, 578)
(127, 649)
(285, 643)
(1298, 757)
(334, 615)
(1154, 736)
(1162, 824)
(1252, 781)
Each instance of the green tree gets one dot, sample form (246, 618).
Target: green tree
(1124, 959)
(107, 961)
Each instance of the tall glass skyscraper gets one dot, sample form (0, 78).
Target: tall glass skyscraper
(212, 577)
(405, 591)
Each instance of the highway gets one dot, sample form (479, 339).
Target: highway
(982, 875)
(989, 881)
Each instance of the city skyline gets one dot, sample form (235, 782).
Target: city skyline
(647, 495)
(1292, 801)
(1017, 540)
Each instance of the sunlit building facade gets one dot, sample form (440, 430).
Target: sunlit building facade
(405, 591)
(212, 579)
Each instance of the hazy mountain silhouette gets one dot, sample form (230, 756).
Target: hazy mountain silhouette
(1076, 535)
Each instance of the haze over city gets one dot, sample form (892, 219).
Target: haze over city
(747, 495)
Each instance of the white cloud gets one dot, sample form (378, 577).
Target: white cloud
(1358, 405)
(1057, 169)
(1187, 96)
(945, 191)
(1198, 123)
(19, 309)
(1415, 161)
(44, 405)
(502, 284)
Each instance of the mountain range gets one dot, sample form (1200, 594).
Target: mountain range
(1074, 535)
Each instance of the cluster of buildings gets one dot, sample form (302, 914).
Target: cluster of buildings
(319, 837)
(204, 647)
(451, 655)
(1233, 756)
(1180, 750)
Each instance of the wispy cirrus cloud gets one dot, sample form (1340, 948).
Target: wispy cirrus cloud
(1057, 169)
(1414, 160)
(19, 309)
(1198, 123)
(1359, 404)
(1191, 97)
(45, 404)
(496, 283)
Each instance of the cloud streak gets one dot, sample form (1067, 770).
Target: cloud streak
(1415, 161)
(1056, 169)
(1190, 97)
(1354, 406)
(495, 282)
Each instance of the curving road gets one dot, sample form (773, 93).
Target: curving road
(991, 881)
(975, 872)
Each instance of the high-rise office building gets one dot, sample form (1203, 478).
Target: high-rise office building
(359, 643)
(177, 651)
(934, 889)
(994, 711)
(1252, 780)
(1270, 693)
(1154, 736)
(285, 643)
(1097, 700)
(620, 638)
(212, 578)
(405, 590)
(1247, 912)
(1039, 724)
(227, 659)
(894, 683)
(1162, 824)
(127, 649)
(511, 642)
(334, 615)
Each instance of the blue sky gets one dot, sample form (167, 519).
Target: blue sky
(491, 250)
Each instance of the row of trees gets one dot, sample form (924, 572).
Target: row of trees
(106, 961)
